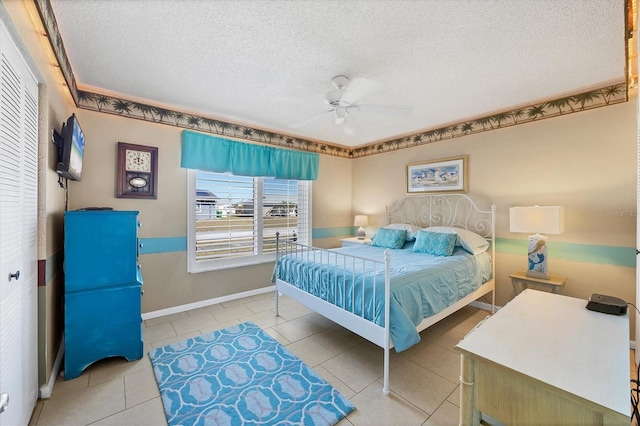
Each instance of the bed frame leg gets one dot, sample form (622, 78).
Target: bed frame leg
(493, 300)
(387, 314)
(385, 387)
(275, 280)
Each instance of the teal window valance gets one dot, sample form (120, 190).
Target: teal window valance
(215, 154)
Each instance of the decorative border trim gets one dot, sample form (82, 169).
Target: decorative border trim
(604, 96)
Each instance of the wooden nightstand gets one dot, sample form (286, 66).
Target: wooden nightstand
(353, 241)
(520, 281)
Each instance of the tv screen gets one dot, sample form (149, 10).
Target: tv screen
(72, 151)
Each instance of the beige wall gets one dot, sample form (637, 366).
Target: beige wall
(166, 281)
(332, 194)
(585, 162)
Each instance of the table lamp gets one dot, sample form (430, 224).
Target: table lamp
(537, 220)
(361, 221)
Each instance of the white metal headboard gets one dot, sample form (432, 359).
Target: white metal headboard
(458, 210)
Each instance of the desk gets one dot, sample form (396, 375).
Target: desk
(545, 359)
(521, 281)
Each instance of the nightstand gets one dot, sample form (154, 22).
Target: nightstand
(353, 241)
(520, 281)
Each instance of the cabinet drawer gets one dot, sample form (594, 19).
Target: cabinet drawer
(101, 249)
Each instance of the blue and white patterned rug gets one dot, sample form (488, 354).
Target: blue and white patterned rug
(242, 376)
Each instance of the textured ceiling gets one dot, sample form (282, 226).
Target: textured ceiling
(268, 64)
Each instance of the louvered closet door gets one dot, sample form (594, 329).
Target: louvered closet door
(18, 235)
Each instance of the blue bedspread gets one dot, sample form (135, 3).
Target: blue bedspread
(421, 284)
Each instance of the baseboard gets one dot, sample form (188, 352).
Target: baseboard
(46, 390)
(208, 302)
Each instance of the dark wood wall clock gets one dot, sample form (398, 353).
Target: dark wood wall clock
(137, 171)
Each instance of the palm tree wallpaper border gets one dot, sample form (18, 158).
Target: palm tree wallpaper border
(608, 95)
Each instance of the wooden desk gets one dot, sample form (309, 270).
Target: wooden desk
(545, 359)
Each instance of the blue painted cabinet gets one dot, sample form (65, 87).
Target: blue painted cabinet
(103, 288)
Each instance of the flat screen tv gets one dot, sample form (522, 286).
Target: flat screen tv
(70, 143)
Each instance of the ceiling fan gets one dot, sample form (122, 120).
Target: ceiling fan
(343, 101)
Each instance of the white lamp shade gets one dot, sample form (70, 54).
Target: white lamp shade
(361, 220)
(537, 219)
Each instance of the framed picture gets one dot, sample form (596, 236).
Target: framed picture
(137, 171)
(443, 175)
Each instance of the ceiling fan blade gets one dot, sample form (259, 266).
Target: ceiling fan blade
(310, 120)
(356, 89)
(395, 110)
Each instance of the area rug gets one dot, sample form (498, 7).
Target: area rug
(242, 376)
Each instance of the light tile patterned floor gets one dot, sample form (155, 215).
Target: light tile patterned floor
(424, 379)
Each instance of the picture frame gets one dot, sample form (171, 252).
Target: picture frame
(441, 175)
(137, 171)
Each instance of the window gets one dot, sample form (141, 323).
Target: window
(233, 220)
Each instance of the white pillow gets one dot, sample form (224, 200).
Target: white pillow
(468, 240)
(411, 230)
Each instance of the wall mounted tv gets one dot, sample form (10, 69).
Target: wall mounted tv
(70, 144)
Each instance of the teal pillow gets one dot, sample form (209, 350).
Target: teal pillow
(436, 243)
(389, 238)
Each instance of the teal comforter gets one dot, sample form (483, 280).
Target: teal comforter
(421, 284)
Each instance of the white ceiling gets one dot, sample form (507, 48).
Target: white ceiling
(268, 64)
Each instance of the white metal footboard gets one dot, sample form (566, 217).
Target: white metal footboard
(328, 302)
(454, 210)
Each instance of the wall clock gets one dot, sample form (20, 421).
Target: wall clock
(137, 171)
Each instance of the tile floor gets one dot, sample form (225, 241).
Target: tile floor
(423, 380)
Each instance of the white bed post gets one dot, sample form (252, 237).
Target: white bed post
(387, 300)
(276, 268)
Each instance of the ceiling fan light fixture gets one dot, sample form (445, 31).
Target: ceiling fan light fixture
(345, 97)
(340, 81)
(333, 96)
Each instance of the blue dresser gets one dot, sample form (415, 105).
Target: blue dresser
(103, 288)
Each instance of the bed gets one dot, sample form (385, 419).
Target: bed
(388, 296)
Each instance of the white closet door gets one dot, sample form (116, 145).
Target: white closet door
(18, 235)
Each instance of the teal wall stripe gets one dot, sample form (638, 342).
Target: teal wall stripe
(163, 244)
(587, 253)
(345, 231)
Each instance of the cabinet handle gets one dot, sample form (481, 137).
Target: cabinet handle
(142, 292)
(16, 276)
(140, 245)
